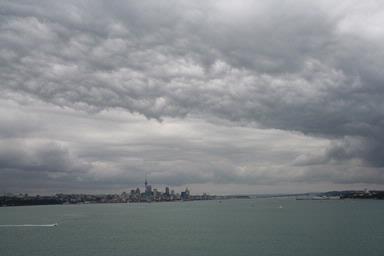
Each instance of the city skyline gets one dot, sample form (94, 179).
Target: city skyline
(244, 97)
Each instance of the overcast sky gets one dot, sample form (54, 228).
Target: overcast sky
(261, 96)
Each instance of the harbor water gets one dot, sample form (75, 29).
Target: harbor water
(228, 227)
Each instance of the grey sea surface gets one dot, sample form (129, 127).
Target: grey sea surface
(228, 227)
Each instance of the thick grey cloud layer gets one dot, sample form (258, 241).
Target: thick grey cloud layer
(313, 68)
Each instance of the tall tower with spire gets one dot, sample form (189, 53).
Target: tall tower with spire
(148, 188)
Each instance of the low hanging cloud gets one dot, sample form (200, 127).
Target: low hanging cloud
(288, 65)
(38, 157)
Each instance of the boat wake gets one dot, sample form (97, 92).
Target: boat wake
(29, 225)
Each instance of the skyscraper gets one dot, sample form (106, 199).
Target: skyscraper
(167, 191)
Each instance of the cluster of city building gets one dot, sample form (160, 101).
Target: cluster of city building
(150, 195)
(135, 195)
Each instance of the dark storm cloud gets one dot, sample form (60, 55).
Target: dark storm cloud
(290, 65)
